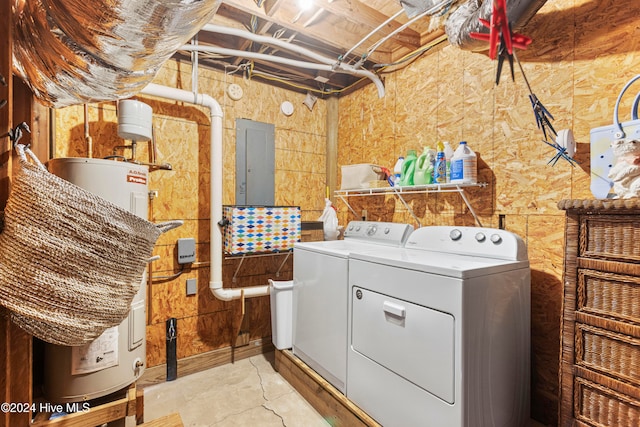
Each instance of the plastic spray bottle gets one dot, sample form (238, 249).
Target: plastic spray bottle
(440, 168)
(448, 154)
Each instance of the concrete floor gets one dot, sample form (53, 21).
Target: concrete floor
(247, 393)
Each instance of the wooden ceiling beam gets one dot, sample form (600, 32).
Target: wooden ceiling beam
(271, 6)
(322, 33)
(361, 14)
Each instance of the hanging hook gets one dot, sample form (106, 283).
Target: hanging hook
(15, 134)
(3, 82)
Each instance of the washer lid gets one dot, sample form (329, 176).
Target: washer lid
(445, 264)
(340, 248)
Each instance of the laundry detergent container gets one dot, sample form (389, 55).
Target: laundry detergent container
(281, 294)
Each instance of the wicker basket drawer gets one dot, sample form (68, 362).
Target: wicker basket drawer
(616, 355)
(608, 294)
(599, 406)
(615, 237)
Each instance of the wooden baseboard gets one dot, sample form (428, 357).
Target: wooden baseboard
(114, 407)
(171, 420)
(325, 398)
(204, 361)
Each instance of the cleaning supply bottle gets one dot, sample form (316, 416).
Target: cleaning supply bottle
(448, 154)
(464, 165)
(397, 170)
(440, 168)
(424, 167)
(408, 168)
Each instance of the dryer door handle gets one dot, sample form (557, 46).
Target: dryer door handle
(394, 309)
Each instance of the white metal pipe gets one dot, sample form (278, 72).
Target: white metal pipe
(375, 30)
(215, 246)
(268, 40)
(405, 25)
(341, 68)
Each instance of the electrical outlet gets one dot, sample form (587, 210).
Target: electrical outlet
(364, 215)
(192, 287)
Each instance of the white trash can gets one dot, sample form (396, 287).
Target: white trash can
(281, 297)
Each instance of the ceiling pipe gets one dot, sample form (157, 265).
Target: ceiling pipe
(326, 64)
(430, 11)
(215, 246)
(343, 68)
(219, 29)
(375, 30)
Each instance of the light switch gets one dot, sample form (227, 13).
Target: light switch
(192, 287)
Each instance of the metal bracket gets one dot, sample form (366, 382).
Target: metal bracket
(245, 256)
(417, 189)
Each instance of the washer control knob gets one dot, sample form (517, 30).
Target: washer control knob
(480, 237)
(387, 230)
(372, 230)
(350, 228)
(357, 228)
(495, 238)
(455, 234)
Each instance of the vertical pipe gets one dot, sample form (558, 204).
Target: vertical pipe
(87, 137)
(332, 146)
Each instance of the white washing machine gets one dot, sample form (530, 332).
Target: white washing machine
(320, 294)
(439, 331)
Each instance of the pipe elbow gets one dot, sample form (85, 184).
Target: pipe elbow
(231, 294)
(221, 293)
(211, 103)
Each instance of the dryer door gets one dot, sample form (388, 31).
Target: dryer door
(411, 340)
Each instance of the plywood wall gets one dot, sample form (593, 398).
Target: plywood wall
(182, 133)
(576, 65)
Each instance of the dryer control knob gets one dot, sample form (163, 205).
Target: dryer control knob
(455, 234)
(387, 230)
(480, 237)
(495, 238)
(350, 227)
(357, 228)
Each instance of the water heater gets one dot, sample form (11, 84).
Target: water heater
(117, 358)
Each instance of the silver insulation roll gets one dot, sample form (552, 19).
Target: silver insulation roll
(77, 51)
(415, 7)
(465, 20)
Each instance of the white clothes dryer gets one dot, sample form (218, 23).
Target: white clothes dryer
(439, 330)
(320, 294)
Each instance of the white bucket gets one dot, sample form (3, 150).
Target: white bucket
(281, 296)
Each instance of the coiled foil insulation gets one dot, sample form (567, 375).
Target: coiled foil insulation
(465, 20)
(73, 52)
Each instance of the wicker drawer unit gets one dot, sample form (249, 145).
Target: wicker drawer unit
(600, 332)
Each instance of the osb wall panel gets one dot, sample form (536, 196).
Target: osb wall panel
(576, 65)
(182, 133)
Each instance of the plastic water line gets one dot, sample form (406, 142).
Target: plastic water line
(215, 283)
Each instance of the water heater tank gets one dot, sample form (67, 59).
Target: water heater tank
(117, 358)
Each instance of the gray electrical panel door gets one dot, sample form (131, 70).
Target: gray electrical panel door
(255, 163)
